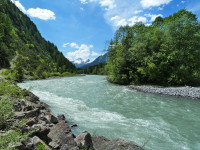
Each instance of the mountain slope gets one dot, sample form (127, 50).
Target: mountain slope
(20, 39)
(80, 62)
(98, 60)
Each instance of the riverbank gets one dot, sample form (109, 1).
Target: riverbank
(186, 91)
(32, 125)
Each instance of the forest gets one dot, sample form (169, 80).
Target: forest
(165, 53)
(24, 52)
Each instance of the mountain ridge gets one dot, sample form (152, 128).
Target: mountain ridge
(86, 64)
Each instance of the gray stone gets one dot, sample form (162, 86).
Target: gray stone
(102, 143)
(32, 113)
(27, 108)
(18, 105)
(19, 146)
(61, 133)
(68, 147)
(84, 139)
(61, 117)
(31, 121)
(51, 118)
(32, 97)
(37, 141)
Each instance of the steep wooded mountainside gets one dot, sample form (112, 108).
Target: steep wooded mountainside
(24, 50)
(99, 60)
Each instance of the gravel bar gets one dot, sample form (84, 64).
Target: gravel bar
(186, 91)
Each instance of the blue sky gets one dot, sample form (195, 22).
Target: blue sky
(82, 28)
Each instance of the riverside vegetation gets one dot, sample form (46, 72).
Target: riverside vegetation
(164, 53)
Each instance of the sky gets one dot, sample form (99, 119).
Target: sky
(83, 28)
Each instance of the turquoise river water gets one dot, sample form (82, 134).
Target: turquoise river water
(113, 111)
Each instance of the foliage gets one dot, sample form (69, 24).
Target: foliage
(164, 53)
(41, 147)
(8, 92)
(94, 70)
(10, 138)
(5, 112)
(24, 49)
(67, 74)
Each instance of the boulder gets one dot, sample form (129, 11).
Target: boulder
(42, 134)
(61, 117)
(84, 140)
(27, 108)
(102, 143)
(74, 125)
(67, 147)
(61, 134)
(32, 97)
(54, 145)
(19, 115)
(31, 121)
(33, 113)
(29, 144)
(51, 118)
(37, 141)
(19, 146)
(18, 105)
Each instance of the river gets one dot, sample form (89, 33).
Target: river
(113, 111)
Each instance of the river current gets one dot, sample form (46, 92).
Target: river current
(153, 121)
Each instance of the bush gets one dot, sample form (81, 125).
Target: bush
(41, 147)
(64, 74)
(10, 138)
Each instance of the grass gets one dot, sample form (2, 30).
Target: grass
(10, 138)
(41, 147)
(10, 90)
(9, 93)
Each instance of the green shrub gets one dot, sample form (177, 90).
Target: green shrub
(10, 138)
(41, 147)
(5, 112)
(64, 74)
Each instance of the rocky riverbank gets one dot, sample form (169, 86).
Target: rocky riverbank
(187, 91)
(54, 133)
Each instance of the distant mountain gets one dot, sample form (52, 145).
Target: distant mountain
(79, 63)
(98, 60)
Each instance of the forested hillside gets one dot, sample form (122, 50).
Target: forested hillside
(24, 50)
(94, 70)
(164, 53)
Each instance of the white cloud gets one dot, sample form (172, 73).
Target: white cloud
(109, 4)
(122, 22)
(19, 5)
(82, 51)
(43, 14)
(153, 17)
(153, 3)
(182, 2)
(137, 11)
(114, 18)
(65, 44)
(95, 54)
(83, 1)
(135, 19)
